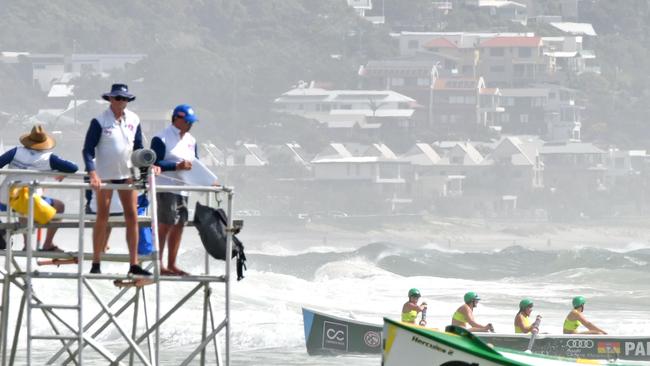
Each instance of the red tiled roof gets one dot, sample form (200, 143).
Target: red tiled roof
(512, 42)
(440, 43)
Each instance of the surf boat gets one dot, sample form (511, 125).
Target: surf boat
(407, 344)
(329, 335)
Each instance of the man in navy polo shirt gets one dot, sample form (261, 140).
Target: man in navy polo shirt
(175, 150)
(111, 138)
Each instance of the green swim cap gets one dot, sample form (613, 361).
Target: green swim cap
(525, 303)
(414, 292)
(578, 301)
(471, 296)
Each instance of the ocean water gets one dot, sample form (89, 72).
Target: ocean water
(356, 275)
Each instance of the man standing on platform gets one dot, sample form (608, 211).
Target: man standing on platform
(175, 149)
(111, 138)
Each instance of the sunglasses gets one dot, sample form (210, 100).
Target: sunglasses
(121, 98)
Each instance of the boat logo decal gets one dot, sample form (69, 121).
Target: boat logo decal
(372, 339)
(580, 343)
(637, 348)
(335, 336)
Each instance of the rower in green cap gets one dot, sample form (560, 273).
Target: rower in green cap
(575, 318)
(465, 315)
(411, 309)
(522, 321)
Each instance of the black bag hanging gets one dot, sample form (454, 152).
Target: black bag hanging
(3, 243)
(211, 224)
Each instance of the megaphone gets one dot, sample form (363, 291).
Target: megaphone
(143, 158)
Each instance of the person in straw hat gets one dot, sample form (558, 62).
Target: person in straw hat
(36, 154)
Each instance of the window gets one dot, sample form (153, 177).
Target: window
(470, 100)
(413, 44)
(523, 118)
(505, 117)
(519, 70)
(456, 159)
(456, 99)
(397, 81)
(345, 106)
(497, 52)
(525, 52)
(357, 169)
(497, 68)
(423, 82)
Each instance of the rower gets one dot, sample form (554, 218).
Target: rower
(411, 309)
(522, 321)
(577, 318)
(465, 315)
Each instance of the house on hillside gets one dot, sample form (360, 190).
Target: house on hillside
(288, 160)
(361, 109)
(514, 166)
(371, 173)
(502, 9)
(460, 104)
(247, 155)
(514, 61)
(573, 164)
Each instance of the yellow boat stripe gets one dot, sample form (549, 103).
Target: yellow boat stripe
(588, 361)
(390, 338)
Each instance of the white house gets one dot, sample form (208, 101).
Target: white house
(328, 106)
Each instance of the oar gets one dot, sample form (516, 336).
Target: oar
(423, 321)
(533, 334)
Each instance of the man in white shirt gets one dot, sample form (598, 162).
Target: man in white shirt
(111, 138)
(175, 150)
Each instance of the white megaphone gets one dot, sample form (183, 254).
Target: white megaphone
(143, 158)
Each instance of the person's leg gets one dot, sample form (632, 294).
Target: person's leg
(175, 235)
(100, 233)
(129, 199)
(49, 237)
(176, 232)
(163, 231)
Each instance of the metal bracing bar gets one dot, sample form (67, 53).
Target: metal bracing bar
(28, 279)
(56, 330)
(55, 306)
(204, 343)
(146, 322)
(132, 344)
(46, 312)
(108, 257)
(98, 316)
(164, 318)
(135, 321)
(216, 349)
(156, 253)
(4, 317)
(80, 289)
(228, 261)
(55, 337)
(19, 321)
(95, 334)
(204, 328)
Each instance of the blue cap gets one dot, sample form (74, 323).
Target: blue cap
(186, 112)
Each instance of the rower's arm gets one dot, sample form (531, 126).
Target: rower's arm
(589, 325)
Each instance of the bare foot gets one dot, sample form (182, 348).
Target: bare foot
(178, 271)
(166, 272)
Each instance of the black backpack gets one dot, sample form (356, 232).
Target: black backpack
(211, 224)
